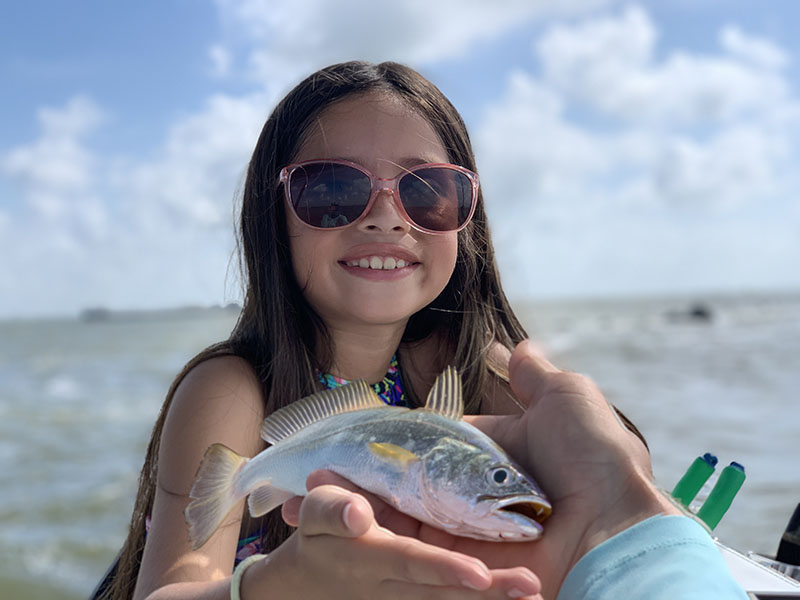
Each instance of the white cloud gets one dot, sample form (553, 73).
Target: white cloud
(122, 231)
(290, 39)
(762, 53)
(741, 164)
(608, 46)
(652, 154)
(188, 182)
(193, 177)
(609, 64)
(56, 171)
(80, 116)
(527, 133)
(661, 195)
(221, 59)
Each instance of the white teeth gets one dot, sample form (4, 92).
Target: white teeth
(378, 263)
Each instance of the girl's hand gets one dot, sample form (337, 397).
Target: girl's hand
(340, 551)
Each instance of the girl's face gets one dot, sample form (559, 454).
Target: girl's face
(339, 270)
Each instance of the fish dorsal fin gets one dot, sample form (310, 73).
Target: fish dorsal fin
(298, 415)
(445, 396)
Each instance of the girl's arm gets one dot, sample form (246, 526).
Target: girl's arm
(218, 401)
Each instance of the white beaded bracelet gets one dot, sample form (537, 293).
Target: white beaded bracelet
(238, 573)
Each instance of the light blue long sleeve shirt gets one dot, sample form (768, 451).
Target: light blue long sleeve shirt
(664, 557)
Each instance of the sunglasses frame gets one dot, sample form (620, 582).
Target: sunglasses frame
(378, 185)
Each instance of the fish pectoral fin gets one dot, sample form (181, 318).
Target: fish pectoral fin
(265, 498)
(392, 454)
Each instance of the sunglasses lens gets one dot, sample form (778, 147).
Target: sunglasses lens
(328, 194)
(437, 198)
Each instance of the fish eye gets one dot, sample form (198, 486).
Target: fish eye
(499, 475)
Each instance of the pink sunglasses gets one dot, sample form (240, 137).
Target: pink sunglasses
(331, 194)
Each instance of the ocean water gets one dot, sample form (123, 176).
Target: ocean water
(78, 400)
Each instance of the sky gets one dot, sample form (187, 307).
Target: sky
(624, 148)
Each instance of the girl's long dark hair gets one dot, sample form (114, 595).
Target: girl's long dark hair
(278, 332)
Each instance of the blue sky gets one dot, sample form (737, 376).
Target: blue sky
(624, 148)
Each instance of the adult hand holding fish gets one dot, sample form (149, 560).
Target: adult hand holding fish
(596, 473)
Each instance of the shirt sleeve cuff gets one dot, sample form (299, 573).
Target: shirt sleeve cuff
(658, 558)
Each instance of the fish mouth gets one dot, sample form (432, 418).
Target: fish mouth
(533, 508)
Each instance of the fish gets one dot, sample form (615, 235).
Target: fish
(425, 462)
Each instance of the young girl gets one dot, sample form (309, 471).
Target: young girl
(399, 284)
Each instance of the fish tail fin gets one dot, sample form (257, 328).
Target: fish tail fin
(214, 492)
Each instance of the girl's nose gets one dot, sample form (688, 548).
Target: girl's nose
(384, 215)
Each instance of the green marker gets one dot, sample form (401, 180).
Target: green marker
(699, 472)
(720, 498)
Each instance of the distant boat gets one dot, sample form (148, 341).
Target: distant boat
(698, 312)
(101, 314)
(93, 315)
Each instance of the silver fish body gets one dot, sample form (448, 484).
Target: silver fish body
(425, 462)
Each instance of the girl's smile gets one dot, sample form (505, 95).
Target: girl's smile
(379, 270)
(380, 262)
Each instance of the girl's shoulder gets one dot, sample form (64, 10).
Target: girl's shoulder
(219, 400)
(220, 386)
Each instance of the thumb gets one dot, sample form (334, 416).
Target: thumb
(331, 510)
(528, 371)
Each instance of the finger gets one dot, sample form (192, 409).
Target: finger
(331, 510)
(290, 511)
(401, 590)
(413, 561)
(517, 582)
(385, 514)
(528, 370)
(380, 555)
(324, 477)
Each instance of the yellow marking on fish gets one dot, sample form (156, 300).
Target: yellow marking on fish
(392, 453)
